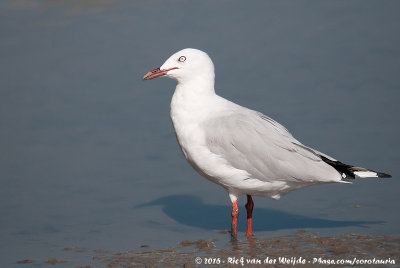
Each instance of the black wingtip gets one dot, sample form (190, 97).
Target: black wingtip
(383, 175)
(348, 171)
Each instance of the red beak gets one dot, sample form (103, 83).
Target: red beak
(157, 73)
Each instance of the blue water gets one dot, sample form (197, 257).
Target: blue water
(89, 158)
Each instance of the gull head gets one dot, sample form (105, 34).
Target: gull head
(185, 65)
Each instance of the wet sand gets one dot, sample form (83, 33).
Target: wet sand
(302, 248)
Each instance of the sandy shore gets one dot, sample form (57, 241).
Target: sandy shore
(302, 248)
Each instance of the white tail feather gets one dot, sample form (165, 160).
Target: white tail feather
(365, 174)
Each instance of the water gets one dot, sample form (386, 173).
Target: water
(89, 158)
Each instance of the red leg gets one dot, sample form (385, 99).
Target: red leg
(249, 208)
(235, 214)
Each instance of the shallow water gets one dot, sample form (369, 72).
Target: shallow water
(301, 248)
(89, 158)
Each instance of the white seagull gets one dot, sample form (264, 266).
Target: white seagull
(243, 150)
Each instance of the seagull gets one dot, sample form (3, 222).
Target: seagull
(242, 150)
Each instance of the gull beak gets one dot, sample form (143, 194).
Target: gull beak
(157, 73)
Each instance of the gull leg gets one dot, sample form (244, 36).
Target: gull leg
(249, 208)
(235, 214)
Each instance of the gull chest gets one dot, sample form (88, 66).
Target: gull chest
(187, 113)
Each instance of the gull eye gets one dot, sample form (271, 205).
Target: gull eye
(182, 59)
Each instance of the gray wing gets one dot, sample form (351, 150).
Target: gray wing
(251, 141)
